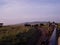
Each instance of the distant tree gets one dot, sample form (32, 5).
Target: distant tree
(41, 24)
(36, 25)
(26, 25)
(1, 24)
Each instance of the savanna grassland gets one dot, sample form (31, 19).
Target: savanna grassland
(18, 35)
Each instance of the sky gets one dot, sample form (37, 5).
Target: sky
(19, 11)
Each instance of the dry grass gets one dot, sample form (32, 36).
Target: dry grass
(14, 30)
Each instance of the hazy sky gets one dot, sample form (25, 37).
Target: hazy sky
(17, 11)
